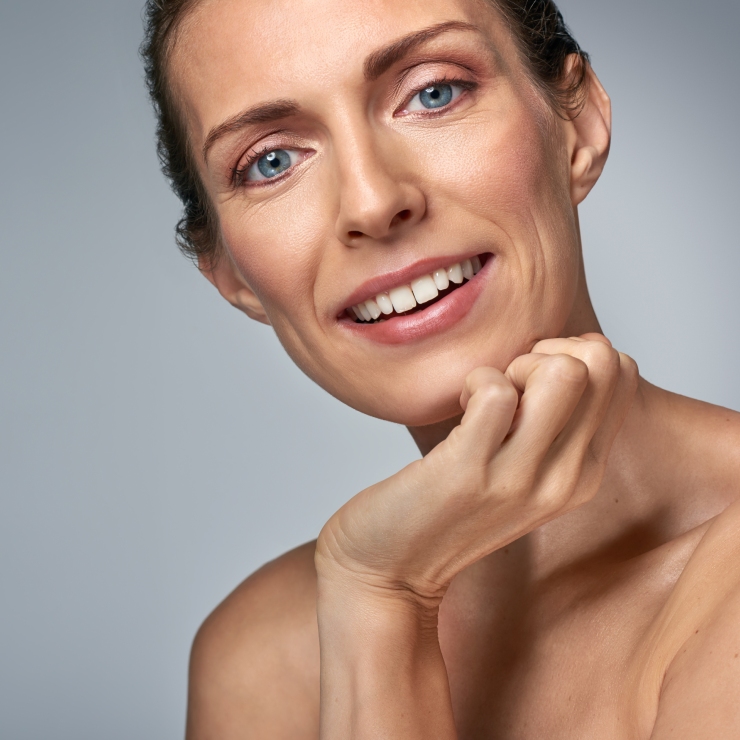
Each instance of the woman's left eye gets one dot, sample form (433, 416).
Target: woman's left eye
(271, 164)
(435, 96)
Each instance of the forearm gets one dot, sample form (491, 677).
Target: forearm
(382, 671)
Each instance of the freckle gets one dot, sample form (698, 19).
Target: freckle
(697, 632)
(736, 654)
(506, 551)
(616, 500)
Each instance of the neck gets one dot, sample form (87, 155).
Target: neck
(637, 495)
(639, 505)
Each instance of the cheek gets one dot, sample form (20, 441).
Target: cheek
(280, 248)
(277, 248)
(508, 170)
(501, 165)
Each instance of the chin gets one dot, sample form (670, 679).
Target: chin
(424, 410)
(427, 392)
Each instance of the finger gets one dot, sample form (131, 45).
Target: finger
(551, 346)
(573, 476)
(490, 401)
(594, 337)
(603, 374)
(572, 471)
(619, 406)
(552, 387)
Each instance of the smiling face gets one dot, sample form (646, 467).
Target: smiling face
(360, 155)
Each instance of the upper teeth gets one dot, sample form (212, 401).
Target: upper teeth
(422, 290)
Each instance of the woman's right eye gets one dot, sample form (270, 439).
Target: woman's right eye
(271, 164)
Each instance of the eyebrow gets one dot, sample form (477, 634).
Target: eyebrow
(265, 113)
(376, 64)
(382, 60)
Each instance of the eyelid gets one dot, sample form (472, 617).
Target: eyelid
(466, 85)
(430, 71)
(255, 153)
(253, 159)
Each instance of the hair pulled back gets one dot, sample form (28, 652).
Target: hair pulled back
(544, 41)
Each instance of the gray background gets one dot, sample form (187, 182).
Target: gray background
(156, 446)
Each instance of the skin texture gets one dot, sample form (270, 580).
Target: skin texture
(563, 560)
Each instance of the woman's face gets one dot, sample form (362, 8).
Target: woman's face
(352, 148)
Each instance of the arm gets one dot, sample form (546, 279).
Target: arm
(382, 672)
(385, 560)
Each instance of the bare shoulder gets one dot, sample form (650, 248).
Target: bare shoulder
(254, 666)
(712, 430)
(701, 683)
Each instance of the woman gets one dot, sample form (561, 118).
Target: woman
(394, 187)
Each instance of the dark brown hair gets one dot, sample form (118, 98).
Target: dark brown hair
(537, 26)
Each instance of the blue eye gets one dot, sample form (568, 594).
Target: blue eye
(435, 96)
(271, 164)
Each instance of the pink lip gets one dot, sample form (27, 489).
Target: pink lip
(383, 283)
(438, 317)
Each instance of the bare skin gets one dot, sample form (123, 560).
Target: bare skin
(584, 628)
(563, 561)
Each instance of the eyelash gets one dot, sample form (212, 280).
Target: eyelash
(239, 173)
(466, 85)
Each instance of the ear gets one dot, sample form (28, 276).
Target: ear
(589, 140)
(231, 285)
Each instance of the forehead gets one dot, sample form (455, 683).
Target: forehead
(233, 52)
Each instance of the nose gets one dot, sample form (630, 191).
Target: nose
(377, 199)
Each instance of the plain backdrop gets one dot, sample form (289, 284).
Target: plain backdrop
(156, 446)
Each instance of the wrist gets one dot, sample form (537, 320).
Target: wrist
(382, 670)
(366, 599)
(347, 585)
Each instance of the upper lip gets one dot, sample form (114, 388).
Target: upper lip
(404, 275)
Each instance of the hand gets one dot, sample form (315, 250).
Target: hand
(532, 445)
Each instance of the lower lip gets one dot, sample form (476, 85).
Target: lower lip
(433, 320)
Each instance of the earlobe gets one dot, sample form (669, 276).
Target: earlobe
(232, 286)
(245, 300)
(590, 140)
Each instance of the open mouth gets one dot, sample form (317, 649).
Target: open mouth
(417, 295)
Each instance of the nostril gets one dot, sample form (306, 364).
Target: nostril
(401, 216)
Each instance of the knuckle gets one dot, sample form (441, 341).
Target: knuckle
(602, 359)
(600, 353)
(629, 366)
(568, 369)
(568, 491)
(499, 394)
(552, 498)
